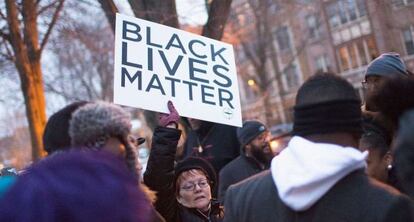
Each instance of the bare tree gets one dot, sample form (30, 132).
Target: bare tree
(21, 45)
(83, 56)
(253, 23)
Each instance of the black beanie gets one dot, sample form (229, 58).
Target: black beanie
(56, 133)
(328, 117)
(190, 163)
(250, 130)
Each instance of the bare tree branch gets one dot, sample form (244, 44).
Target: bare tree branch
(5, 36)
(110, 10)
(217, 17)
(2, 15)
(51, 25)
(45, 8)
(138, 8)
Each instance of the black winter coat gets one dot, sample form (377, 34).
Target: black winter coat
(159, 177)
(352, 199)
(237, 170)
(219, 144)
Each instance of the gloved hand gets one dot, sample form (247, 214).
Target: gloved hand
(169, 119)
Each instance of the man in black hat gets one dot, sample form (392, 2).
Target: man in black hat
(255, 156)
(320, 175)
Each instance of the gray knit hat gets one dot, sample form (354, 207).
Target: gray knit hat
(93, 124)
(387, 65)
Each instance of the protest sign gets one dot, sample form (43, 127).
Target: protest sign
(156, 63)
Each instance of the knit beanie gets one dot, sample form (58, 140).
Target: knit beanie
(93, 124)
(190, 163)
(387, 65)
(56, 133)
(250, 130)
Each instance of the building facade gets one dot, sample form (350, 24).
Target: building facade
(340, 36)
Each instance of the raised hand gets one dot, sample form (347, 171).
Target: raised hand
(167, 120)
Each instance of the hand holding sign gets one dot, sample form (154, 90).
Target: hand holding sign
(172, 118)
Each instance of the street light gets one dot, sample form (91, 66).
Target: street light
(251, 82)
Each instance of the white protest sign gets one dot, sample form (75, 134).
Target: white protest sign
(156, 63)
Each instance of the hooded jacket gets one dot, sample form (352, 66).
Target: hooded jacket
(314, 182)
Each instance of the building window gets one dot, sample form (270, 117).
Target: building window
(283, 38)
(313, 26)
(401, 3)
(322, 63)
(357, 54)
(408, 35)
(343, 12)
(291, 74)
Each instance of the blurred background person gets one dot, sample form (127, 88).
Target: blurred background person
(56, 133)
(394, 100)
(386, 66)
(7, 178)
(255, 156)
(376, 139)
(404, 152)
(76, 186)
(214, 142)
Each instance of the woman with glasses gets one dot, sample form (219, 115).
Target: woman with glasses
(183, 190)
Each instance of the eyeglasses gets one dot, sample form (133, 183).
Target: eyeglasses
(192, 186)
(371, 83)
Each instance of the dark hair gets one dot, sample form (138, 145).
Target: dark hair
(76, 186)
(324, 87)
(56, 134)
(395, 97)
(376, 135)
(375, 142)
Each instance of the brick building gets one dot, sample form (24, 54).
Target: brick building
(341, 36)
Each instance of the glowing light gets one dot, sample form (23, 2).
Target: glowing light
(251, 82)
(274, 144)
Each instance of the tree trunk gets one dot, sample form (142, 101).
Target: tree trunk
(110, 10)
(27, 62)
(217, 16)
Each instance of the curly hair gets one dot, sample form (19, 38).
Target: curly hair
(395, 97)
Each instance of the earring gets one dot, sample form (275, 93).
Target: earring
(389, 167)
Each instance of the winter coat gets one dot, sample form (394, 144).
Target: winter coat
(159, 176)
(237, 170)
(353, 198)
(214, 142)
(311, 181)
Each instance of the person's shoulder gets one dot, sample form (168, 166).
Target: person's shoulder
(255, 182)
(232, 166)
(379, 185)
(385, 200)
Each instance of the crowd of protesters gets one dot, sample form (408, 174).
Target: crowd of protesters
(347, 160)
